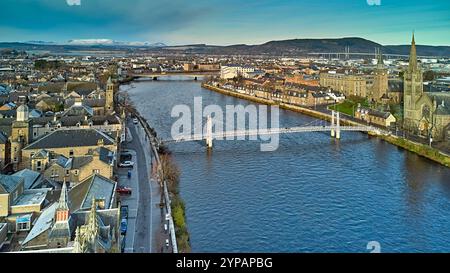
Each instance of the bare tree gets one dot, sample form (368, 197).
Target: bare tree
(169, 172)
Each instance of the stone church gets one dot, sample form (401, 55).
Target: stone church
(425, 113)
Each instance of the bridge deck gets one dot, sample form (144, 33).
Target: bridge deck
(256, 132)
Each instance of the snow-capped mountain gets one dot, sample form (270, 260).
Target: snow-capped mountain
(109, 42)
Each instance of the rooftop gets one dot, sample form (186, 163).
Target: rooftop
(70, 138)
(29, 176)
(9, 183)
(96, 186)
(31, 197)
(43, 223)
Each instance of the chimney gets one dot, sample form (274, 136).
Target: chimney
(100, 142)
(100, 203)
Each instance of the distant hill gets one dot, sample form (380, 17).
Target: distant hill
(293, 47)
(301, 47)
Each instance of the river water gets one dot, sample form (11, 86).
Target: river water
(312, 194)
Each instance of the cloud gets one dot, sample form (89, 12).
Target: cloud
(374, 2)
(73, 2)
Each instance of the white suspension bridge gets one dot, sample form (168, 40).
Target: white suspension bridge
(335, 129)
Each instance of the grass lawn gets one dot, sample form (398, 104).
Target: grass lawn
(346, 107)
(350, 105)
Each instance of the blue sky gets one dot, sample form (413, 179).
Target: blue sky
(225, 21)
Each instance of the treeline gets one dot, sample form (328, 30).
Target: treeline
(47, 65)
(170, 172)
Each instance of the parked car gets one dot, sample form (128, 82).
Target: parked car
(122, 246)
(135, 121)
(124, 212)
(123, 226)
(124, 190)
(126, 164)
(167, 243)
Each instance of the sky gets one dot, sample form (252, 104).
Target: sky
(225, 22)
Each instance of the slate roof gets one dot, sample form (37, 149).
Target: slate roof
(443, 102)
(95, 186)
(9, 183)
(5, 126)
(79, 110)
(30, 177)
(395, 86)
(87, 102)
(3, 138)
(100, 120)
(8, 113)
(42, 224)
(376, 113)
(107, 220)
(80, 161)
(42, 154)
(70, 138)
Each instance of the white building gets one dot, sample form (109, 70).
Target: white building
(232, 71)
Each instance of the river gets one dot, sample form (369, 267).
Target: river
(312, 194)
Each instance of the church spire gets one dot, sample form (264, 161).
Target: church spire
(380, 61)
(62, 203)
(92, 220)
(413, 55)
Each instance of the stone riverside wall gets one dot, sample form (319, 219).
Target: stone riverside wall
(166, 192)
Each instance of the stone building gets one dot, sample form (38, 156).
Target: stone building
(109, 102)
(380, 87)
(5, 150)
(21, 135)
(425, 114)
(372, 116)
(348, 84)
(66, 142)
(75, 169)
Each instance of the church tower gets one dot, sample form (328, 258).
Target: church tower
(109, 103)
(380, 84)
(413, 90)
(21, 135)
(60, 234)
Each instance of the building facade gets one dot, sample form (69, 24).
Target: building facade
(425, 114)
(348, 84)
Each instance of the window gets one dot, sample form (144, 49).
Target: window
(426, 112)
(76, 172)
(24, 226)
(67, 172)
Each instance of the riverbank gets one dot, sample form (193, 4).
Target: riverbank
(174, 204)
(419, 149)
(298, 109)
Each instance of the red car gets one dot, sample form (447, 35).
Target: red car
(123, 190)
